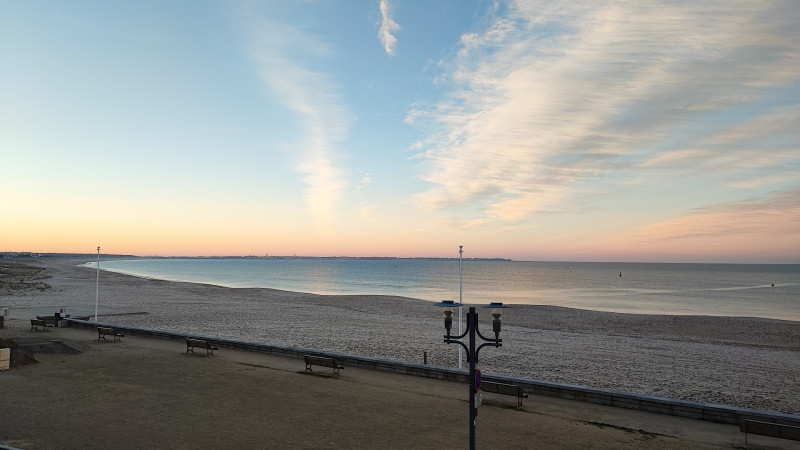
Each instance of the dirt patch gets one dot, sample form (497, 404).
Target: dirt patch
(16, 276)
(24, 349)
(626, 430)
(18, 358)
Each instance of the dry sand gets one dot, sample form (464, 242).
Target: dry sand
(746, 362)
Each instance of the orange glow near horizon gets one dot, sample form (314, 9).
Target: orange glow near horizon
(651, 244)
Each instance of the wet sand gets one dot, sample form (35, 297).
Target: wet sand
(745, 362)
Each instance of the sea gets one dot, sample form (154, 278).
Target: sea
(742, 290)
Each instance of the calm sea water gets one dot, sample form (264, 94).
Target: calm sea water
(749, 290)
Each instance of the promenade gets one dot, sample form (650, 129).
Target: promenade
(147, 393)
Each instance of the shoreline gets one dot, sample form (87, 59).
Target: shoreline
(745, 362)
(640, 295)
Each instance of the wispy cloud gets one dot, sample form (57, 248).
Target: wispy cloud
(769, 225)
(767, 141)
(741, 219)
(387, 27)
(369, 212)
(553, 95)
(365, 181)
(279, 51)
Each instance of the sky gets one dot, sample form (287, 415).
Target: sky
(657, 131)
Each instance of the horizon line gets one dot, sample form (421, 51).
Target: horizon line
(11, 255)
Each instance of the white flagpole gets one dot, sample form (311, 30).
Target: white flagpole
(460, 298)
(97, 285)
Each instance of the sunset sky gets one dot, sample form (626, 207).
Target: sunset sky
(531, 130)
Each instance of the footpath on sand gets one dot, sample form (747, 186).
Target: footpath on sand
(144, 392)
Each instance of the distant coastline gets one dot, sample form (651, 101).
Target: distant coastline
(107, 256)
(360, 258)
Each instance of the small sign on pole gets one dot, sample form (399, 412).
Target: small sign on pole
(478, 395)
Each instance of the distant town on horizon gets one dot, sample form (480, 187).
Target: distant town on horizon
(107, 255)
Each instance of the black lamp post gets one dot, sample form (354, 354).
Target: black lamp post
(471, 349)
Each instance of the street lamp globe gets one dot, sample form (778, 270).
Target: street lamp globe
(447, 313)
(496, 316)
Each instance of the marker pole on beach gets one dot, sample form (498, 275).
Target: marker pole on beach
(460, 297)
(97, 285)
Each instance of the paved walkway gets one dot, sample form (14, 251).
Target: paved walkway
(147, 393)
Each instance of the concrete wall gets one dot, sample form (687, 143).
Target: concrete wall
(659, 405)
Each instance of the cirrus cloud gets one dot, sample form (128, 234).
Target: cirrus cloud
(554, 101)
(313, 96)
(387, 27)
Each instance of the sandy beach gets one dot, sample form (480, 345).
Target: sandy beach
(745, 362)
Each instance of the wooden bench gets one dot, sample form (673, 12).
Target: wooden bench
(777, 430)
(323, 361)
(36, 323)
(49, 320)
(199, 343)
(102, 332)
(504, 389)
